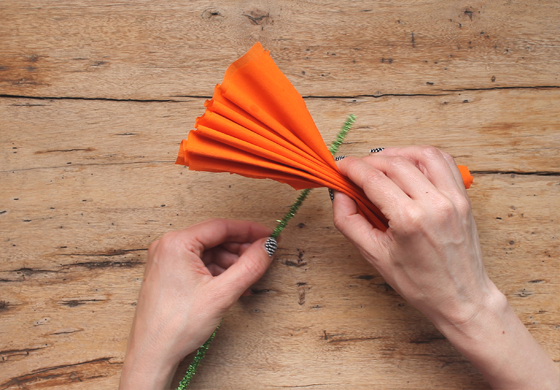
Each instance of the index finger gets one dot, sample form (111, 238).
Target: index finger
(380, 190)
(213, 232)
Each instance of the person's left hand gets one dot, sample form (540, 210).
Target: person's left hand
(192, 278)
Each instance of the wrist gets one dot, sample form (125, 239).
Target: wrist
(149, 374)
(495, 340)
(477, 318)
(148, 364)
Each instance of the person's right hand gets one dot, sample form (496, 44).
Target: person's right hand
(431, 252)
(431, 255)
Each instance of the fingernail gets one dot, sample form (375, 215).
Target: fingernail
(270, 246)
(338, 158)
(331, 194)
(376, 150)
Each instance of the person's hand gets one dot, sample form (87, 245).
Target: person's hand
(431, 255)
(192, 278)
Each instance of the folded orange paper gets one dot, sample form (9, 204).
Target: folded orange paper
(257, 125)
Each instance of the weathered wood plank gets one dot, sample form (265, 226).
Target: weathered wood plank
(321, 316)
(502, 130)
(75, 241)
(159, 50)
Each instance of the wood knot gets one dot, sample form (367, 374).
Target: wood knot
(212, 14)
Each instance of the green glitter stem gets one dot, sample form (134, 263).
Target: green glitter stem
(282, 223)
(196, 361)
(290, 214)
(342, 133)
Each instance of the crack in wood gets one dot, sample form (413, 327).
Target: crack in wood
(498, 88)
(105, 264)
(256, 291)
(65, 374)
(301, 295)
(87, 165)
(6, 354)
(79, 302)
(25, 272)
(338, 338)
(426, 340)
(302, 386)
(300, 262)
(257, 17)
(364, 277)
(114, 252)
(67, 332)
(65, 150)
(21, 274)
(524, 293)
(334, 341)
(89, 98)
(521, 173)
(377, 95)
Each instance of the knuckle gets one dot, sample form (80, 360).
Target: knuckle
(373, 176)
(254, 268)
(444, 210)
(173, 242)
(339, 222)
(412, 219)
(167, 239)
(350, 164)
(463, 206)
(398, 162)
(430, 152)
(447, 156)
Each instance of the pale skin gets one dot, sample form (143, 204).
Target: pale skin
(430, 255)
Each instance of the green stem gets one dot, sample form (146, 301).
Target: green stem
(290, 214)
(342, 133)
(196, 361)
(282, 223)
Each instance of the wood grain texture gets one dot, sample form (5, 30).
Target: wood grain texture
(160, 50)
(88, 183)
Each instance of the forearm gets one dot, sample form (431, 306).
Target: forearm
(141, 372)
(501, 347)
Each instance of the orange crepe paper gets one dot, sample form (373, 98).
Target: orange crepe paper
(257, 125)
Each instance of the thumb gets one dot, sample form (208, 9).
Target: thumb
(249, 268)
(355, 227)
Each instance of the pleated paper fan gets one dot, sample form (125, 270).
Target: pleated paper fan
(257, 125)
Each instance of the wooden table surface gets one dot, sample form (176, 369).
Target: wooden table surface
(96, 96)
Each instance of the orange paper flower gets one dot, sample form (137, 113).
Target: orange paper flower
(257, 125)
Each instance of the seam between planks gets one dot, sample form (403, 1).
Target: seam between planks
(445, 92)
(87, 165)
